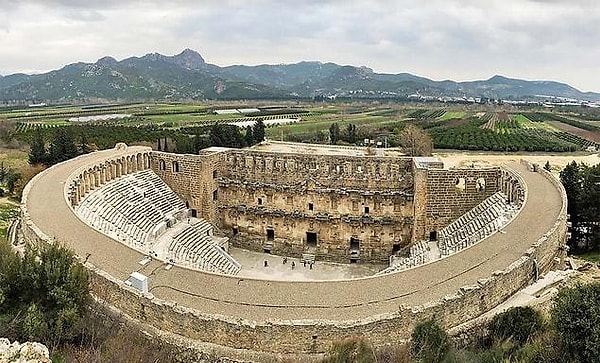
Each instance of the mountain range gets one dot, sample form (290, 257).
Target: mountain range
(187, 76)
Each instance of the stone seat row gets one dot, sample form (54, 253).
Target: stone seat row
(419, 254)
(494, 200)
(480, 222)
(129, 208)
(194, 246)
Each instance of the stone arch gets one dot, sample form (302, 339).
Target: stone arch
(96, 174)
(81, 187)
(460, 184)
(480, 184)
(118, 171)
(110, 171)
(91, 179)
(175, 166)
(139, 162)
(118, 168)
(102, 174)
(130, 165)
(162, 165)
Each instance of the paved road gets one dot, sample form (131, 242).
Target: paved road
(284, 300)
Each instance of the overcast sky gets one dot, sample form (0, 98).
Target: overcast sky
(445, 39)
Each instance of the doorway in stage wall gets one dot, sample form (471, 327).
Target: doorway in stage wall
(433, 236)
(311, 239)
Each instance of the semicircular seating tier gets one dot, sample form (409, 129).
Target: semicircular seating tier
(139, 209)
(485, 219)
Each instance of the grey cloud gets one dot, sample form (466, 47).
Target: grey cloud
(458, 39)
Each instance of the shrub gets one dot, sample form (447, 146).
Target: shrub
(351, 350)
(393, 354)
(545, 348)
(429, 342)
(35, 327)
(518, 323)
(576, 317)
(45, 292)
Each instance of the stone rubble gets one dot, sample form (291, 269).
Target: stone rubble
(29, 352)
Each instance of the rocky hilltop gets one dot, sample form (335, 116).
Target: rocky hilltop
(187, 76)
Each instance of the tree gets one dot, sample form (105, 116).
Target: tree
(576, 317)
(350, 134)
(570, 178)
(200, 142)
(429, 342)
(249, 136)
(258, 131)
(84, 146)
(12, 177)
(416, 141)
(582, 186)
(590, 206)
(38, 154)
(334, 133)
(226, 136)
(62, 146)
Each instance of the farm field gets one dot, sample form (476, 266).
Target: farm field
(466, 127)
(449, 115)
(586, 134)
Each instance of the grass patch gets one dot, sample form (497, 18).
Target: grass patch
(592, 256)
(14, 159)
(449, 115)
(526, 123)
(523, 121)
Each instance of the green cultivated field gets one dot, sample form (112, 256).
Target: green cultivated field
(449, 115)
(472, 127)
